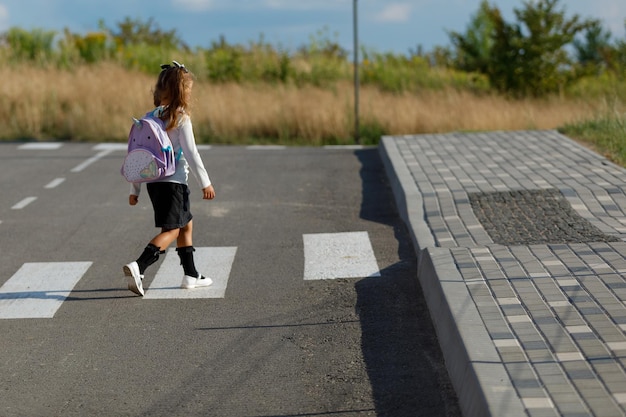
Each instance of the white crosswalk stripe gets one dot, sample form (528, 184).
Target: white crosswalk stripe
(38, 289)
(41, 146)
(339, 255)
(213, 262)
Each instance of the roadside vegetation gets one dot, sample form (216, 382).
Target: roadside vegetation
(546, 69)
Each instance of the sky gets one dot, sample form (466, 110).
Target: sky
(397, 26)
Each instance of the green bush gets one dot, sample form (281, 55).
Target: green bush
(93, 47)
(36, 46)
(399, 73)
(146, 58)
(606, 84)
(224, 64)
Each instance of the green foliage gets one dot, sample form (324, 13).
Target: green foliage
(474, 47)
(92, 47)
(527, 57)
(395, 73)
(137, 32)
(322, 62)
(265, 64)
(146, 58)
(398, 73)
(370, 132)
(607, 85)
(224, 62)
(323, 44)
(591, 52)
(617, 61)
(36, 46)
(606, 133)
(543, 62)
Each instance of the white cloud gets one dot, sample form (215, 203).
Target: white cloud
(395, 12)
(195, 5)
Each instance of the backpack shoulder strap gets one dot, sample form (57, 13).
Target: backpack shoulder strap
(158, 111)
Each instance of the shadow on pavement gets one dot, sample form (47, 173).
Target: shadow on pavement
(401, 351)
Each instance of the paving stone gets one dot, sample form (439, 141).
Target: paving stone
(536, 227)
(526, 217)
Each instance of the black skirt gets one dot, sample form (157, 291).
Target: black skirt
(170, 202)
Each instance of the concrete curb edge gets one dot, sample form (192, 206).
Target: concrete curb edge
(479, 378)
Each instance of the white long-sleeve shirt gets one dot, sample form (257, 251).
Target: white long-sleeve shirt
(182, 137)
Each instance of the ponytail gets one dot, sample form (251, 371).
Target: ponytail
(171, 91)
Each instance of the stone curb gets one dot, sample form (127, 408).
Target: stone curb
(478, 376)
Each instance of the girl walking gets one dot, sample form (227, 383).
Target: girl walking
(170, 196)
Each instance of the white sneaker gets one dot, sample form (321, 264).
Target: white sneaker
(190, 282)
(131, 271)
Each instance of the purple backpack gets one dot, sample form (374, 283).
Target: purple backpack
(150, 154)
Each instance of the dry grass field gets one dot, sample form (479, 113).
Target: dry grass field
(95, 103)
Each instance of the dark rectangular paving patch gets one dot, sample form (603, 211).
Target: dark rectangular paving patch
(528, 217)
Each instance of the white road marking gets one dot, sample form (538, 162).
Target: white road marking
(339, 255)
(23, 203)
(213, 262)
(55, 183)
(111, 147)
(40, 146)
(124, 147)
(105, 149)
(355, 147)
(38, 289)
(265, 147)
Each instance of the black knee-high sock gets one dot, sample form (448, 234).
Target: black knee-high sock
(149, 256)
(186, 260)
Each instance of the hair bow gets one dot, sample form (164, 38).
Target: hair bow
(175, 64)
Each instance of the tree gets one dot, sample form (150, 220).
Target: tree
(527, 57)
(474, 47)
(594, 52)
(137, 32)
(543, 59)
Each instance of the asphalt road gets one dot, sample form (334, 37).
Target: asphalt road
(274, 345)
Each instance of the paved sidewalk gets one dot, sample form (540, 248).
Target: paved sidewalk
(522, 258)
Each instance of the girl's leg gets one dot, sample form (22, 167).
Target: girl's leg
(156, 246)
(152, 251)
(185, 237)
(184, 247)
(164, 239)
(134, 271)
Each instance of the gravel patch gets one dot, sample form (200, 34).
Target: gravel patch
(528, 217)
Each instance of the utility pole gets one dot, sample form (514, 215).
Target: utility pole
(357, 139)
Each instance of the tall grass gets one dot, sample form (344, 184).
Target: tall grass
(605, 132)
(88, 103)
(95, 103)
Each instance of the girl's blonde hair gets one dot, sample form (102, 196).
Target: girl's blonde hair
(173, 87)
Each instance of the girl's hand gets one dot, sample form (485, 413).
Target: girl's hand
(133, 199)
(208, 193)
